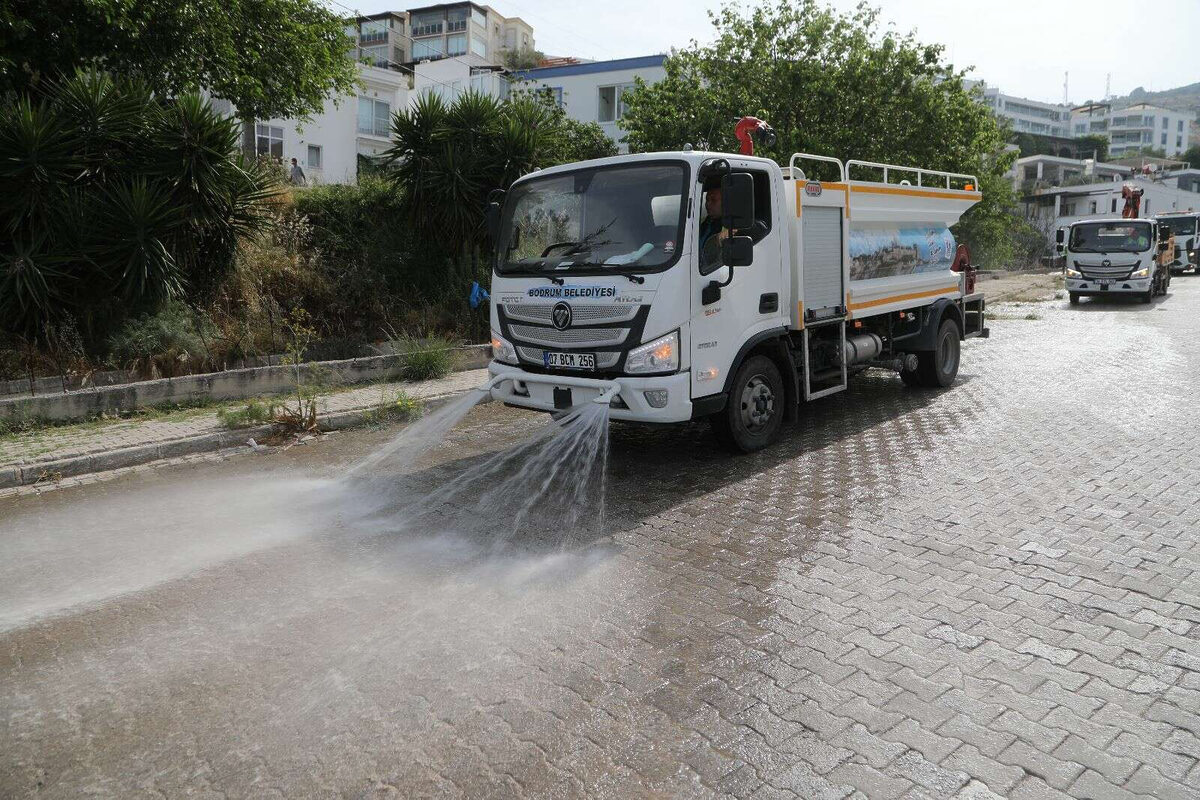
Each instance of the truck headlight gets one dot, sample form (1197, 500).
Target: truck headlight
(502, 349)
(1074, 273)
(661, 355)
(1144, 272)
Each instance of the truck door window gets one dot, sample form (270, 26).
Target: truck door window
(711, 233)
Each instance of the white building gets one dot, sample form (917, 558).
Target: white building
(1132, 128)
(1054, 207)
(1044, 172)
(328, 147)
(1025, 115)
(592, 91)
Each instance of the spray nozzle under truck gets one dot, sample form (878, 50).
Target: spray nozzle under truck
(610, 285)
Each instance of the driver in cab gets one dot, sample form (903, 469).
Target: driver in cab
(713, 232)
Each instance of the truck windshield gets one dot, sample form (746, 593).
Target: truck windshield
(1180, 226)
(626, 218)
(1110, 237)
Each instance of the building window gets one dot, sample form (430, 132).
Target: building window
(1166, 123)
(426, 24)
(479, 18)
(456, 45)
(374, 116)
(478, 46)
(1113, 210)
(423, 50)
(1164, 140)
(1180, 127)
(268, 140)
(314, 156)
(1146, 206)
(1179, 141)
(1092, 207)
(612, 102)
(375, 56)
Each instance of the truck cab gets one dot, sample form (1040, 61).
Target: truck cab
(688, 285)
(1126, 256)
(1185, 227)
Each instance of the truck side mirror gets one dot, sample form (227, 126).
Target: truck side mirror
(492, 214)
(1060, 235)
(737, 251)
(737, 201)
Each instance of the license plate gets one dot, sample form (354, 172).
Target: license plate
(570, 360)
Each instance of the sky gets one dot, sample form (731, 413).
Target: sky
(1021, 46)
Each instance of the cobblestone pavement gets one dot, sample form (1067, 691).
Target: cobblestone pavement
(64, 442)
(988, 591)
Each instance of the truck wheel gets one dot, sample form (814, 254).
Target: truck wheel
(752, 416)
(1073, 297)
(939, 368)
(1148, 295)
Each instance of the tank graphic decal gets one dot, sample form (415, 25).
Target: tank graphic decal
(883, 251)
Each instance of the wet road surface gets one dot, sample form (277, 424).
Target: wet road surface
(989, 591)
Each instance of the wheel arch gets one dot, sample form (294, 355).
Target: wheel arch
(773, 344)
(936, 313)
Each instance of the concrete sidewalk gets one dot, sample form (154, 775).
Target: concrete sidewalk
(50, 454)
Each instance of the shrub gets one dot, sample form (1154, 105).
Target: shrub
(114, 200)
(425, 359)
(165, 343)
(395, 407)
(251, 415)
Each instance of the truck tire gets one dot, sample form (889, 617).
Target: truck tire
(1073, 297)
(938, 368)
(754, 412)
(1148, 295)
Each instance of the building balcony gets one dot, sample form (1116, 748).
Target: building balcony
(427, 30)
(373, 38)
(452, 27)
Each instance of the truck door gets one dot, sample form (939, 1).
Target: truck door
(756, 298)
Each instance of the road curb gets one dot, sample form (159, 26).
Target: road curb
(15, 476)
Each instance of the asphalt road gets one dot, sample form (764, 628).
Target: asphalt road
(987, 591)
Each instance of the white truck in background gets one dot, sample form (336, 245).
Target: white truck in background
(1185, 227)
(609, 285)
(1127, 256)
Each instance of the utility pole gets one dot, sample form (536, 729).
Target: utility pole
(1066, 94)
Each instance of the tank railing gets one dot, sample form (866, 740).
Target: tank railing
(923, 175)
(810, 157)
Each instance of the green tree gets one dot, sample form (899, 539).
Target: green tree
(1093, 143)
(835, 84)
(1192, 156)
(522, 58)
(270, 58)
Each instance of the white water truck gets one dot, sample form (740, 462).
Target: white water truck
(1127, 256)
(612, 284)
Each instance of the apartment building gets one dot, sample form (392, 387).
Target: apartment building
(381, 40)
(1129, 129)
(1025, 115)
(593, 91)
(452, 30)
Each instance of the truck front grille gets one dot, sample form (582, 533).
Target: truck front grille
(580, 314)
(1098, 272)
(571, 337)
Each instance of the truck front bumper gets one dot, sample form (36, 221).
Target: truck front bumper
(632, 399)
(1088, 286)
